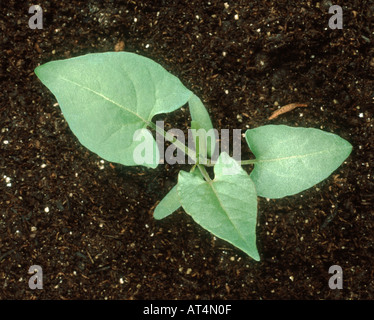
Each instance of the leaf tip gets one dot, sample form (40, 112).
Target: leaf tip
(255, 256)
(37, 71)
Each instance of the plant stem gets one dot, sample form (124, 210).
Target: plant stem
(204, 173)
(191, 153)
(242, 163)
(247, 162)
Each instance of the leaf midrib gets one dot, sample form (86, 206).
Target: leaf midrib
(210, 183)
(146, 122)
(299, 156)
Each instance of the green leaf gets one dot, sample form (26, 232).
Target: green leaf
(290, 160)
(107, 97)
(225, 206)
(167, 205)
(200, 118)
(200, 139)
(171, 203)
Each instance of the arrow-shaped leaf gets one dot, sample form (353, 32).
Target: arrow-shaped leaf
(107, 97)
(290, 160)
(225, 206)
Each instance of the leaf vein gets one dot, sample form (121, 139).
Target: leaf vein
(107, 99)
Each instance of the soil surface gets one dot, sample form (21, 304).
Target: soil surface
(88, 223)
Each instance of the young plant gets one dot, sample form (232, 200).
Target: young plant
(109, 101)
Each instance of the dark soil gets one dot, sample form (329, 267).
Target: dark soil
(89, 224)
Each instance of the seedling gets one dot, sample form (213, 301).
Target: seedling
(109, 101)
